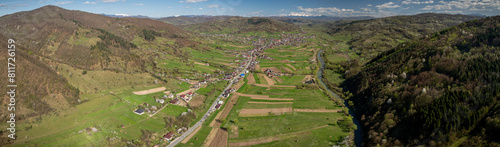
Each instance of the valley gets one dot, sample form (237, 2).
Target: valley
(88, 79)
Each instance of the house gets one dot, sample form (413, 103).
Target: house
(171, 96)
(161, 101)
(218, 106)
(139, 111)
(154, 107)
(165, 96)
(169, 136)
(174, 101)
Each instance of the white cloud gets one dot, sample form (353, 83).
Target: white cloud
(471, 5)
(200, 8)
(124, 15)
(62, 3)
(3, 5)
(327, 11)
(110, 1)
(139, 4)
(387, 5)
(369, 5)
(366, 9)
(181, 1)
(87, 2)
(417, 2)
(194, 1)
(213, 6)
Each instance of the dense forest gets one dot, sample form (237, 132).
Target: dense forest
(438, 90)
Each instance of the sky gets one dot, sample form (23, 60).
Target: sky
(342, 8)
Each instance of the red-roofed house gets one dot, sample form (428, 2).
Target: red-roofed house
(168, 136)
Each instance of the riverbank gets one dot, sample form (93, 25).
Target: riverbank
(358, 136)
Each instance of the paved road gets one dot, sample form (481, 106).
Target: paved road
(198, 124)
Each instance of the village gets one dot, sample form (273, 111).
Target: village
(243, 66)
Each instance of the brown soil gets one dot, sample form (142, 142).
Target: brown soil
(289, 65)
(225, 111)
(210, 137)
(168, 92)
(308, 68)
(149, 91)
(285, 61)
(187, 91)
(251, 79)
(263, 112)
(197, 101)
(270, 81)
(317, 110)
(220, 139)
(190, 135)
(257, 67)
(274, 138)
(270, 102)
(278, 79)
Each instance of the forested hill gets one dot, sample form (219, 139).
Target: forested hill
(442, 89)
(370, 37)
(241, 25)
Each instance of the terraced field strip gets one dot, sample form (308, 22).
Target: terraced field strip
(199, 63)
(264, 97)
(274, 138)
(257, 67)
(270, 102)
(220, 139)
(149, 91)
(288, 70)
(251, 79)
(317, 110)
(263, 112)
(289, 65)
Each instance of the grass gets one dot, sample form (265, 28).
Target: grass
(291, 80)
(265, 106)
(267, 126)
(201, 135)
(107, 113)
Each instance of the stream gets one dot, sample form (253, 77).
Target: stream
(358, 136)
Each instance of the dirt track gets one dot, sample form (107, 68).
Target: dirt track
(263, 112)
(270, 102)
(317, 110)
(149, 91)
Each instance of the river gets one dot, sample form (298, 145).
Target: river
(358, 136)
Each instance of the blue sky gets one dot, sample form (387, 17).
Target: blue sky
(165, 8)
